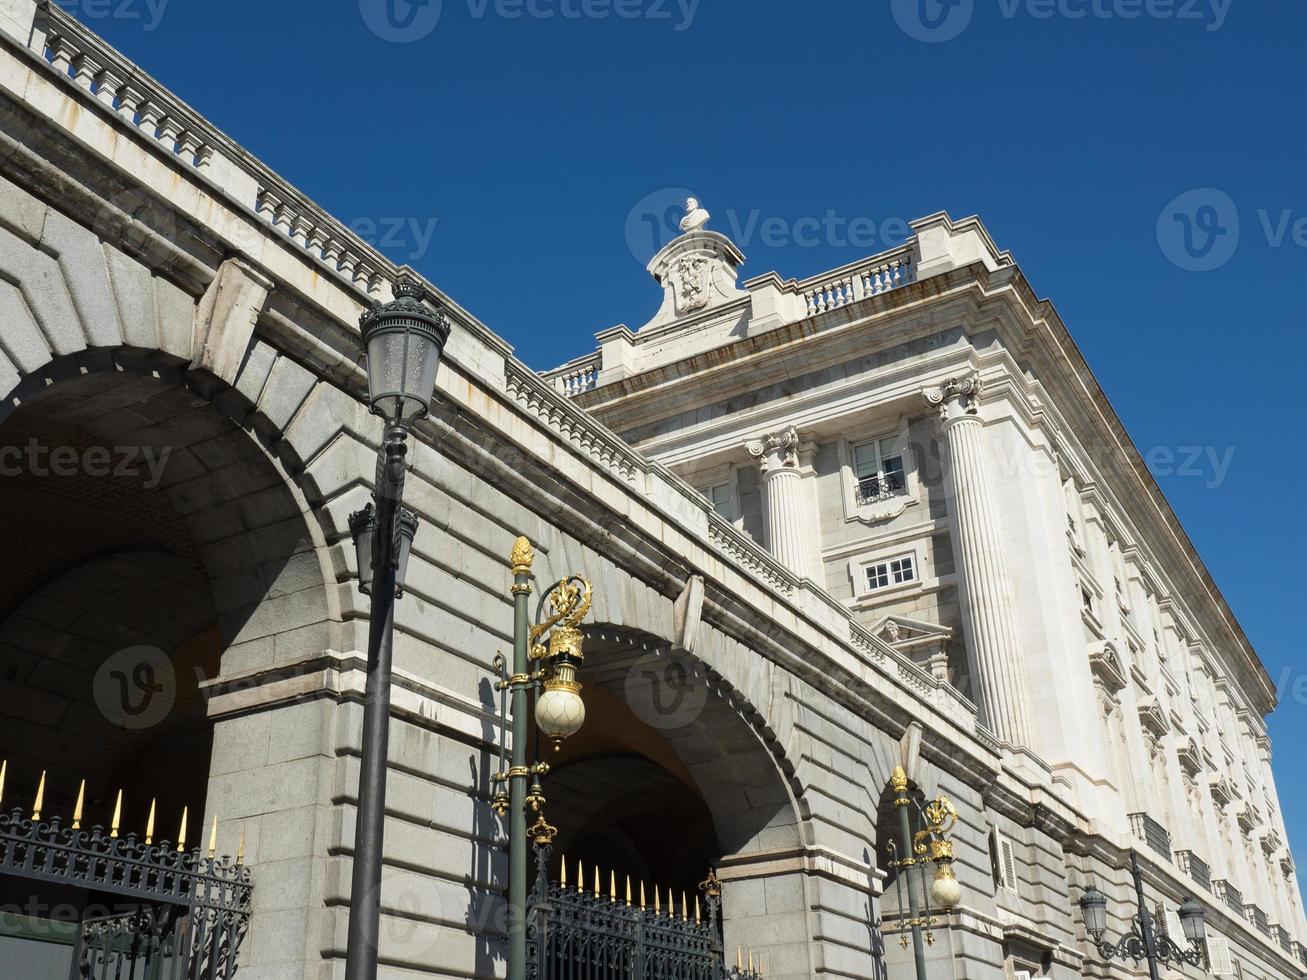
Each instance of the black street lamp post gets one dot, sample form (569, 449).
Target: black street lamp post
(404, 341)
(1143, 942)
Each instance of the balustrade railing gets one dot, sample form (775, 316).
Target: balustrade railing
(850, 284)
(578, 376)
(1152, 833)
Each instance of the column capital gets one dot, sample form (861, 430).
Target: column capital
(956, 398)
(776, 451)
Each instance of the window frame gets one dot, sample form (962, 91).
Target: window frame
(860, 570)
(880, 511)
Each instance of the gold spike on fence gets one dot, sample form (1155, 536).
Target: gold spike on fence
(77, 810)
(40, 798)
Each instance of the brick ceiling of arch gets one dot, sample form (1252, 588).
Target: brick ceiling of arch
(54, 520)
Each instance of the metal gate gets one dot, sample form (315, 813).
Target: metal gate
(579, 934)
(175, 915)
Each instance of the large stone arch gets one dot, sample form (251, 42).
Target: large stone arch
(666, 729)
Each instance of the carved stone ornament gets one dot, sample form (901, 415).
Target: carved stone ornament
(776, 450)
(956, 398)
(690, 283)
(698, 272)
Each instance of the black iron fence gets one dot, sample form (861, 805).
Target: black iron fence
(170, 914)
(575, 933)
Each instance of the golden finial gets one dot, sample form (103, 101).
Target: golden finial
(739, 957)
(149, 825)
(181, 834)
(712, 885)
(562, 879)
(750, 961)
(522, 557)
(671, 904)
(628, 891)
(685, 908)
(580, 876)
(643, 903)
(542, 833)
(117, 815)
(698, 919)
(213, 838)
(899, 780)
(3, 767)
(40, 798)
(596, 881)
(77, 810)
(612, 886)
(240, 850)
(658, 903)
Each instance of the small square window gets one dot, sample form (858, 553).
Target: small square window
(895, 571)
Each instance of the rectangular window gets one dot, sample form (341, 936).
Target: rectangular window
(895, 571)
(723, 501)
(878, 470)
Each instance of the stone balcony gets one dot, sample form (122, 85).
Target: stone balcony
(1146, 829)
(1195, 867)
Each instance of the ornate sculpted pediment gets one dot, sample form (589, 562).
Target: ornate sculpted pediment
(1106, 665)
(1223, 791)
(1190, 756)
(697, 270)
(1152, 717)
(1249, 817)
(1271, 841)
(926, 644)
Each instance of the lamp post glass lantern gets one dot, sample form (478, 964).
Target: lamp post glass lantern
(404, 340)
(1143, 941)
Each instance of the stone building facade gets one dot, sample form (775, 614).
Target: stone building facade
(883, 508)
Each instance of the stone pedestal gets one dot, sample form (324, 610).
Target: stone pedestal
(986, 583)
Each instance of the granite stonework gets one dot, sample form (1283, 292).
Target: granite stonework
(161, 285)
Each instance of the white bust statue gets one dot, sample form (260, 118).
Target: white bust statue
(695, 216)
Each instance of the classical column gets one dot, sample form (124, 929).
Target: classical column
(778, 457)
(986, 585)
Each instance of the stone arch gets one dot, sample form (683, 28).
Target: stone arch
(215, 463)
(668, 730)
(118, 464)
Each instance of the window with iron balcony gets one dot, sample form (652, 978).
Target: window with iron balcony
(878, 471)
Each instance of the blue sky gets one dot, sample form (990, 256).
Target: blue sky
(511, 156)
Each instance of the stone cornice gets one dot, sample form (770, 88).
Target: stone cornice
(1001, 300)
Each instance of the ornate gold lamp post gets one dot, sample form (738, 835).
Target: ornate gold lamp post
(910, 854)
(546, 658)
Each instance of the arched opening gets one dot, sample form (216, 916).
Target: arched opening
(668, 780)
(145, 531)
